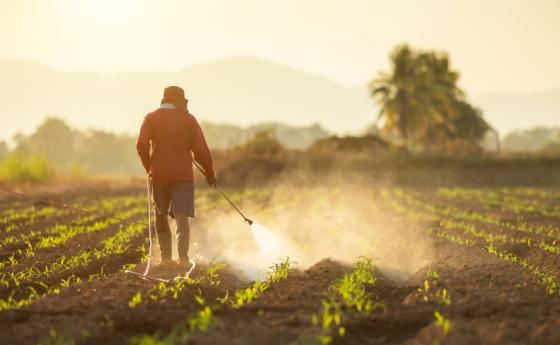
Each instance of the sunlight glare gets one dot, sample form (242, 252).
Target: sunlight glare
(108, 8)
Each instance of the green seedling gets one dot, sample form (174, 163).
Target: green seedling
(442, 322)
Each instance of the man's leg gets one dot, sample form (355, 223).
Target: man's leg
(164, 236)
(183, 237)
(162, 200)
(183, 208)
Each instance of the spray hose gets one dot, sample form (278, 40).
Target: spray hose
(249, 221)
(149, 193)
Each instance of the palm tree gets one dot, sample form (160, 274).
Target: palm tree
(418, 93)
(396, 94)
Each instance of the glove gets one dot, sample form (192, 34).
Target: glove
(211, 179)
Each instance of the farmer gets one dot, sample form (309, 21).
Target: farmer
(167, 137)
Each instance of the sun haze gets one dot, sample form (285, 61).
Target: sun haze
(102, 63)
(279, 172)
(498, 45)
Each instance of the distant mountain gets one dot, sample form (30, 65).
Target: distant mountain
(508, 111)
(240, 91)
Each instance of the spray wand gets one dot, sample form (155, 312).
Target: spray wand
(224, 195)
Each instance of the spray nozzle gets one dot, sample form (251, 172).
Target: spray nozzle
(249, 221)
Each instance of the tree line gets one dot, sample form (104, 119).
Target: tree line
(92, 151)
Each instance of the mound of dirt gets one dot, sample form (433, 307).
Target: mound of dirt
(303, 290)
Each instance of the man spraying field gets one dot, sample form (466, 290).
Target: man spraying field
(168, 138)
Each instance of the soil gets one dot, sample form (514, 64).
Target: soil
(492, 301)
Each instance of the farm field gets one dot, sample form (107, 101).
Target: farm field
(394, 265)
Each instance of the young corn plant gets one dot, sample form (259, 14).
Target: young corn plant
(442, 322)
(136, 300)
(431, 290)
(351, 296)
(203, 319)
(275, 273)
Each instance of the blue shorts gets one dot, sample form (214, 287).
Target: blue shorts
(173, 198)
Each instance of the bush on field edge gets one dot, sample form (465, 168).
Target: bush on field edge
(29, 168)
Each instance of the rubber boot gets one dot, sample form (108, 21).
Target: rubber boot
(183, 239)
(164, 240)
(164, 237)
(183, 242)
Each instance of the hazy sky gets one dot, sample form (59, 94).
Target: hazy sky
(498, 45)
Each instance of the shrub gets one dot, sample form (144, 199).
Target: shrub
(368, 143)
(264, 143)
(19, 168)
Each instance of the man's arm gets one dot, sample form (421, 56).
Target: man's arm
(143, 144)
(202, 153)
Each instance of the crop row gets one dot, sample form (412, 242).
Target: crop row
(471, 228)
(433, 292)
(473, 216)
(198, 321)
(204, 318)
(477, 232)
(8, 204)
(105, 206)
(14, 217)
(61, 233)
(493, 198)
(547, 278)
(166, 291)
(204, 315)
(490, 238)
(350, 295)
(29, 284)
(439, 233)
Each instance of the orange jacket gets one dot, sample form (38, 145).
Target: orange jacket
(167, 138)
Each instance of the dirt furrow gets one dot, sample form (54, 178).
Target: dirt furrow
(282, 314)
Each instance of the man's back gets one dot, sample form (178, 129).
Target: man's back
(173, 134)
